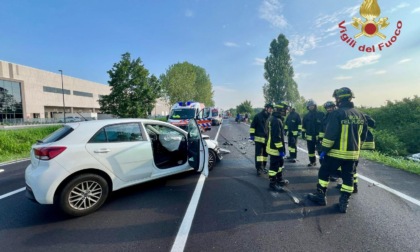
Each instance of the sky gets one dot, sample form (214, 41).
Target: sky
(230, 39)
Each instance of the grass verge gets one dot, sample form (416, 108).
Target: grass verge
(397, 162)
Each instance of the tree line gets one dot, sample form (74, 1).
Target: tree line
(134, 91)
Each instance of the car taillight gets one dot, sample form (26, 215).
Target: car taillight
(48, 153)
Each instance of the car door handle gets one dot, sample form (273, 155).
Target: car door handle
(102, 151)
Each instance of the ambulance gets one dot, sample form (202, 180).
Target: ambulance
(182, 112)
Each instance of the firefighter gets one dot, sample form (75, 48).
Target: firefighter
(329, 106)
(293, 128)
(259, 136)
(311, 126)
(346, 130)
(368, 144)
(276, 146)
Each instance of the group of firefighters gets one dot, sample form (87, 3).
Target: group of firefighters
(337, 136)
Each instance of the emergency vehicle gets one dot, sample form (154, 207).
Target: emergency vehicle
(182, 112)
(216, 115)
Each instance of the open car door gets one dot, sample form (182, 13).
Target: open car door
(198, 153)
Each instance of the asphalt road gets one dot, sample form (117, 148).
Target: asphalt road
(236, 211)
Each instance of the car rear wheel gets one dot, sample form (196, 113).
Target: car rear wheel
(83, 195)
(212, 159)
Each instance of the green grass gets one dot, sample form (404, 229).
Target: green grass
(397, 162)
(16, 144)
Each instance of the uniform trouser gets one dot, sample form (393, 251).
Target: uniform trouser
(292, 142)
(261, 156)
(355, 176)
(276, 168)
(330, 165)
(312, 146)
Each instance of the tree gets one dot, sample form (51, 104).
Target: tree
(279, 73)
(133, 92)
(244, 107)
(187, 82)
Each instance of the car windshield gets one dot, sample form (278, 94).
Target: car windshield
(214, 113)
(182, 114)
(57, 135)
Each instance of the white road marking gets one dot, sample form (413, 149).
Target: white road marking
(218, 131)
(1, 170)
(14, 162)
(11, 193)
(386, 188)
(184, 230)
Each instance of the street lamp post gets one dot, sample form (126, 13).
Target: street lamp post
(62, 90)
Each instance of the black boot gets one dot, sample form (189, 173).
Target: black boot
(343, 202)
(259, 171)
(277, 184)
(319, 197)
(355, 188)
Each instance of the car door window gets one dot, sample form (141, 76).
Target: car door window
(127, 132)
(168, 137)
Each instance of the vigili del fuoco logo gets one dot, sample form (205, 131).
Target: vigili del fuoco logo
(370, 25)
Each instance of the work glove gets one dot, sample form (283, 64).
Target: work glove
(251, 138)
(322, 156)
(282, 154)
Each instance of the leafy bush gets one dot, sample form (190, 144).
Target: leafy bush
(389, 144)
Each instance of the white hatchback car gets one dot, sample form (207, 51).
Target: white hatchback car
(77, 166)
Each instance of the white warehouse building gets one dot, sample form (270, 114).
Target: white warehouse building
(28, 93)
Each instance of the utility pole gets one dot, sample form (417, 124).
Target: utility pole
(62, 90)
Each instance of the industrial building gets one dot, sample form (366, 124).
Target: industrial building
(30, 94)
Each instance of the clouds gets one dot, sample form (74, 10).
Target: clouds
(416, 10)
(404, 61)
(270, 11)
(308, 62)
(400, 6)
(361, 61)
(231, 44)
(299, 44)
(259, 61)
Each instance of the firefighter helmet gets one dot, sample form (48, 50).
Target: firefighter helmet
(343, 92)
(310, 103)
(269, 105)
(329, 104)
(281, 106)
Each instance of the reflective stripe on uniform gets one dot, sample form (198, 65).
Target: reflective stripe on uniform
(259, 139)
(272, 173)
(321, 134)
(300, 127)
(368, 146)
(343, 138)
(292, 150)
(265, 159)
(252, 130)
(311, 155)
(327, 143)
(260, 158)
(323, 183)
(279, 145)
(309, 138)
(346, 188)
(355, 178)
(295, 133)
(348, 155)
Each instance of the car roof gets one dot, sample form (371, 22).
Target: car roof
(95, 125)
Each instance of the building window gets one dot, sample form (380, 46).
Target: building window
(10, 100)
(85, 94)
(55, 90)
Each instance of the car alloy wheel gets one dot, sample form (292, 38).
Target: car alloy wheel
(83, 194)
(212, 159)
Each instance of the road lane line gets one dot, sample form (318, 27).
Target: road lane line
(1, 170)
(14, 162)
(184, 229)
(218, 131)
(386, 188)
(11, 193)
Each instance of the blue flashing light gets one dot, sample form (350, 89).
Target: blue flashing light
(189, 103)
(180, 103)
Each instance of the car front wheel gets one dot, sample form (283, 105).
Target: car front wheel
(83, 195)
(212, 159)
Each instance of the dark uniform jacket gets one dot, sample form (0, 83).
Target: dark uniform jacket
(369, 143)
(312, 124)
(257, 129)
(345, 132)
(324, 125)
(275, 142)
(293, 124)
